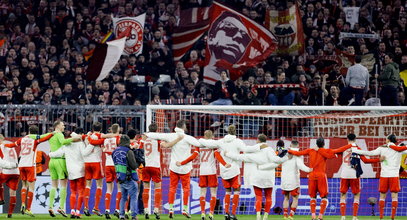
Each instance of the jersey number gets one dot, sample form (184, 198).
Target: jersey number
(26, 148)
(148, 147)
(205, 155)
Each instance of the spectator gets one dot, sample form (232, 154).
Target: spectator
(390, 79)
(357, 82)
(225, 91)
(281, 96)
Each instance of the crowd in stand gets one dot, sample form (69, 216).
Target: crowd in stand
(43, 58)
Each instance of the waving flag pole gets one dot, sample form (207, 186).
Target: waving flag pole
(106, 56)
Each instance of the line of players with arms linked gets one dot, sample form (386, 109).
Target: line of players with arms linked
(79, 159)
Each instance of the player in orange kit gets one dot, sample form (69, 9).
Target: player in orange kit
(317, 180)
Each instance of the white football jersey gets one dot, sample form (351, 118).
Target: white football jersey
(95, 155)
(10, 155)
(109, 146)
(207, 162)
(152, 152)
(28, 153)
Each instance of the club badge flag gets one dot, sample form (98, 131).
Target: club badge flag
(286, 25)
(134, 42)
(234, 41)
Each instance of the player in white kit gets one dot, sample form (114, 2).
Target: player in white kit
(290, 179)
(27, 165)
(350, 178)
(389, 173)
(75, 165)
(10, 176)
(179, 152)
(230, 174)
(262, 180)
(109, 145)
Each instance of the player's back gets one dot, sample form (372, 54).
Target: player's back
(232, 144)
(347, 171)
(290, 172)
(96, 154)
(27, 153)
(109, 145)
(75, 162)
(390, 167)
(152, 152)
(207, 165)
(10, 155)
(318, 163)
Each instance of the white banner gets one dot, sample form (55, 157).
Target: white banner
(352, 15)
(134, 43)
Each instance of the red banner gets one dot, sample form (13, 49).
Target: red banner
(234, 42)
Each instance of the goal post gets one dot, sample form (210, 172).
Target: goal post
(371, 125)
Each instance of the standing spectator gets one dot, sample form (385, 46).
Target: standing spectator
(281, 96)
(357, 82)
(225, 90)
(390, 79)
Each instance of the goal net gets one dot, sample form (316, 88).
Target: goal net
(302, 123)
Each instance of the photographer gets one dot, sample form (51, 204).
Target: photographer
(126, 165)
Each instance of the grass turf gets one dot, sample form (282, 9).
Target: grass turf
(218, 217)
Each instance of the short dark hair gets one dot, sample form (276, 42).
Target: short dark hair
(79, 131)
(97, 126)
(262, 138)
(391, 56)
(294, 142)
(320, 142)
(181, 123)
(358, 59)
(124, 140)
(351, 137)
(131, 133)
(280, 143)
(392, 138)
(33, 129)
(152, 127)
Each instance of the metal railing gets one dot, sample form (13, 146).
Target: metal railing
(15, 119)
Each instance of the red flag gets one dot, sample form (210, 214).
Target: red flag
(286, 25)
(234, 42)
(193, 23)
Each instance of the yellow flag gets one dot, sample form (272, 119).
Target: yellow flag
(403, 76)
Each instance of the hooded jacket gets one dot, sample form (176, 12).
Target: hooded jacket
(180, 151)
(390, 75)
(232, 144)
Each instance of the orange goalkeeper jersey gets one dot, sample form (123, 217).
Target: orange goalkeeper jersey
(317, 159)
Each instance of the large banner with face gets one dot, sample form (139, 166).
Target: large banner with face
(286, 25)
(234, 42)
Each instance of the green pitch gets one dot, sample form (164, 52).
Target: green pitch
(217, 217)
